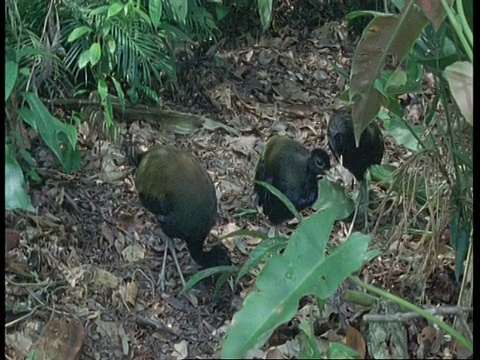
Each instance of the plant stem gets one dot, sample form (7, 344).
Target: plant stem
(458, 30)
(412, 307)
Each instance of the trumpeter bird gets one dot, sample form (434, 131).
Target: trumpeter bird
(357, 160)
(292, 169)
(173, 185)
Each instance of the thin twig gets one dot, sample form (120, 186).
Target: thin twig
(11, 323)
(146, 322)
(403, 316)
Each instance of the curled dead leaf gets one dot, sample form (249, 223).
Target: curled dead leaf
(355, 340)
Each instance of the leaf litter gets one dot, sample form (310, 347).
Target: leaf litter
(98, 255)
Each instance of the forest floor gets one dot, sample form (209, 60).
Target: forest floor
(86, 264)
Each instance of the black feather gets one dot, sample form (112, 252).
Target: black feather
(341, 139)
(172, 184)
(293, 170)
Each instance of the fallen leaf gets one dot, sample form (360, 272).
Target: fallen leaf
(181, 350)
(355, 340)
(133, 253)
(62, 339)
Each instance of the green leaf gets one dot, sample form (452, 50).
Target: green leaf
(11, 73)
(308, 343)
(99, 10)
(114, 9)
(397, 79)
(95, 53)
(16, 196)
(267, 248)
(341, 351)
(180, 9)
(120, 94)
(155, 8)
(383, 172)
(143, 15)
(460, 79)
(385, 35)
(84, 59)
(205, 273)
(406, 134)
(332, 196)
(112, 46)
(78, 33)
(265, 12)
(301, 270)
(50, 129)
(286, 201)
(221, 11)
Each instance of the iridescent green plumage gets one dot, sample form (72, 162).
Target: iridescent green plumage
(172, 184)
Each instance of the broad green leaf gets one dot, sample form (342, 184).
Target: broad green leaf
(16, 196)
(112, 46)
(341, 351)
(460, 79)
(308, 343)
(405, 134)
(11, 73)
(434, 11)
(53, 131)
(95, 53)
(383, 172)
(143, 15)
(332, 196)
(78, 33)
(221, 11)
(173, 33)
(99, 10)
(180, 9)
(114, 9)
(84, 59)
(396, 80)
(155, 8)
(205, 273)
(301, 270)
(265, 12)
(386, 35)
(268, 247)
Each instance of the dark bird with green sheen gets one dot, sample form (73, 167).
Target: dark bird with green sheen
(173, 185)
(292, 169)
(341, 139)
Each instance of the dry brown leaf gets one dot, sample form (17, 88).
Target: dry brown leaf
(131, 292)
(20, 343)
(355, 340)
(12, 239)
(62, 339)
(133, 253)
(105, 279)
(244, 144)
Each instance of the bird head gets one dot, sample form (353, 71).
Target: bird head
(319, 162)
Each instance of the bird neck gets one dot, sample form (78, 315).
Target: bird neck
(203, 258)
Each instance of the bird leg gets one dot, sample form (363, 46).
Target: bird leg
(361, 207)
(363, 203)
(169, 246)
